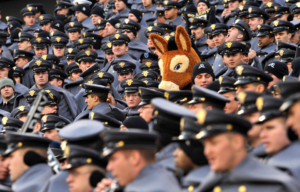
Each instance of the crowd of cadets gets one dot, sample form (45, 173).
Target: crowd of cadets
(112, 129)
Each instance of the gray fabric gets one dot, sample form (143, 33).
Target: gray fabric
(57, 183)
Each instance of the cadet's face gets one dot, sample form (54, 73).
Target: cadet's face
(120, 5)
(246, 87)
(132, 99)
(7, 92)
(95, 18)
(69, 61)
(182, 161)
(17, 79)
(265, 40)
(16, 165)
(282, 36)
(219, 151)
(171, 14)
(89, 100)
(232, 60)
(274, 135)
(25, 45)
(3, 72)
(201, 7)
(293, 118)
(74, 76)
(199, 32)
(289, 66)
(78, 179)
(159, 54)
(147, 3)
(46, 27)
(41, 78)
(210, 43)
(129, 34)
(233, 5)
(234, 105)
(85, 64)
(295, 38)
(146, 112)
(203, 79)
(253, 22)
(53, 135)
(62, 11)
(109, 29)
(41, 51)
(196, 107)
(109, 57)
(74, 36)
(29, 20)
(125, 76)
(275, 80)
(49, 109)
(59, 52)
(3, 169)
(80, 16)
(132, 17)
(119, 50)
(57, 83)
(219, 39)
(21, 62)
(296, 16)
(233, 34)
(245, 19)
(161, 19)
(253, 133)
(120, 166)
(283, 17)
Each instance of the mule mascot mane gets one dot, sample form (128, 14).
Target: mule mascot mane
(176, 65)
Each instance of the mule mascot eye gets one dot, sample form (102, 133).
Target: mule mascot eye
(176, 65)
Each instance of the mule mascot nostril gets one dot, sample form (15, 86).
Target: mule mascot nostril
(177, 62)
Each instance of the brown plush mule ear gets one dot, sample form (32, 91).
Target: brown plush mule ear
(182, 39)
(159, 43)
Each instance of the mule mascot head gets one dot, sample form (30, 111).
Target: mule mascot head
(176, 64)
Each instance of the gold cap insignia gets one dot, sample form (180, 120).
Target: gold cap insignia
(38, 40)
(129, 82)
(92, 115)
(99, 21)
(72, 24)
(14, 68)
(250, 9)
(117, 36)
(259, 103)
(38, 62)
(191, 20)
(220, 80)
(4, 120)
(244, 2)
(217, 189)
(31, 92)
(241, 7)
(70, 50)
(166, 95)
(108, 45)
(201, 116)
(150, 28)
(29, 8)
(84, 34)
(148, 64)
(213, 26)
(140, 91)
(200, 135)
(20, 34)
(181, 124)
(229, 44)
(155, 24)
(146, 82)
(126, 21)
(80, 41)
(100, 74)
(120, 144)
(242, 189)
(241, 97)
(122, 64)
(275, 7)
(44, 119)
(269, 4)
(166, 2)
(41, 17)
(276, 23)
(281, 52)
(118, 25)
(44, 57)
(167, 37)
(7, 18)
(58, 39)
(90, 82)
(298, 4)
(88, 53)
(240, 70)
(21, 108)
(237, 21)
(52, 33)
(258, 27)
(145, 73)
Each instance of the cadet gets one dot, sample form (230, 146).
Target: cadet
(51, 125)
(280, 150)
(45, 21)
(239, 31)
(110, 29)
(287, 57)
(266, 41)
(206, 99)
(82, 164)
(122, 10)
(125, 70)
(22, 59)
(179, 97)
(295, 10)
(148, 9)
(131, 28)
(24, 41)
(57, 77)
(228, 157)
(219, 34)
(11, 124)
(132, 97)
(20, 113)
(18, 74)
(82, 13)
(5, 185)
(251, 79)
(282, 30)
(277, 70)
(202, 74)
(228, 90)
(137, 16)
(146, 108)
(232, 55)
(73, 82)
(28, 14)
(134, 176)
(283, 13)
(189, 156)
(59, 47)
(295, 35)
(62, 7)
(96, 14)
(256, 17)
(197, 29)
(85, 59)
(7, 93)
(41, 45)
(70, 54)
(74, 31)
(209, 53)
(171, 13)
(109, 55)
(111, 119)
(27, 161)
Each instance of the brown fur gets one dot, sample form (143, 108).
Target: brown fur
(183, 43)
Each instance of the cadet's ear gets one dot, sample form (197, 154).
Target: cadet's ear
(260, 88)
(159, 43)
